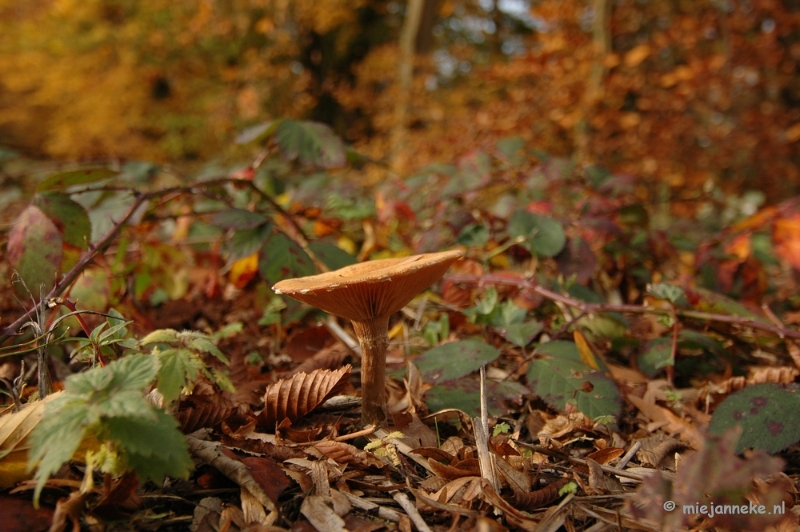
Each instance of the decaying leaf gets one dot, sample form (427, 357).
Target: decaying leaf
(540, 497)
(714, 475)
(298, 395)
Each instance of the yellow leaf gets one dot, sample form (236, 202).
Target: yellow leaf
(585, 350)
(243, 270)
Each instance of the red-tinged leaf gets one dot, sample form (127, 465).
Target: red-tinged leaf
(295, 397)
(34, 250)
(786, 239)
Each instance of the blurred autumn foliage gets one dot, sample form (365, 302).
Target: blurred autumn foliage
(686, 94)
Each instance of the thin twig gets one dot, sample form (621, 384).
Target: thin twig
(631, 309)
(81, 265)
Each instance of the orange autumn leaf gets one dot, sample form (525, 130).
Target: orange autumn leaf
(786, 238)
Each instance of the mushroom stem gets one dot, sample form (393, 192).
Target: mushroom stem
(373, 335)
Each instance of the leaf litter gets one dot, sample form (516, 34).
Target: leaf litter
(601, 400)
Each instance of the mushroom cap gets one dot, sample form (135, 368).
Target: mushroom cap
(372, 289)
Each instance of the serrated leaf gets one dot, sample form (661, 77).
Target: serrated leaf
(451, 361)
(160, 336)
(133, 372)
(239, 219)
(768, 414)
(205, 345)
(57, 436)
(543, 235)
(178, 368)
(521, 334)
(298, 395)
(70, 178)
(89, 382)
(69, 217)
(281, 258)
(124, 403)
(465, 394)
(247, 242)
(310, 142)
(153, 448)
(560, 378)
(508, 313)
(34, 250)
(332, 255)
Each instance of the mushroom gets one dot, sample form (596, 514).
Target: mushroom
(367, 294)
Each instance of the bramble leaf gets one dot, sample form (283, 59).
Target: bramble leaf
(543, 235)
(456, 359)
(560, 377)
(178, 368)
(768, 413)
(310, 142)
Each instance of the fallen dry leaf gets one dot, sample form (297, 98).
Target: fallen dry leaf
(298, 395)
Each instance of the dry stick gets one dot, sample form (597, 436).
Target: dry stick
(587, 308)
(411, 510)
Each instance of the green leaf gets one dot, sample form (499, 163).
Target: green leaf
(257, 132)
(332, 255)
(89, 382)
(153, 448)
(544, 236)
(160, 336)
(124, 403)
(178, 368)
(246, 242)
(560, 377)
(70, 178)
(57, 436)
(521, 334)
(768, 414)
(133, 372)
(656, 355)
(668, 292)
(204, 344)
(508, 313)
(473, 235)
(69, 217)
(451, 361)
(465, 393)
(281, 258)
(310, 142)
(239, 219)
(34, 250)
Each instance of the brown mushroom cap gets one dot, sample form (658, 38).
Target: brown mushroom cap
(371, 289)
